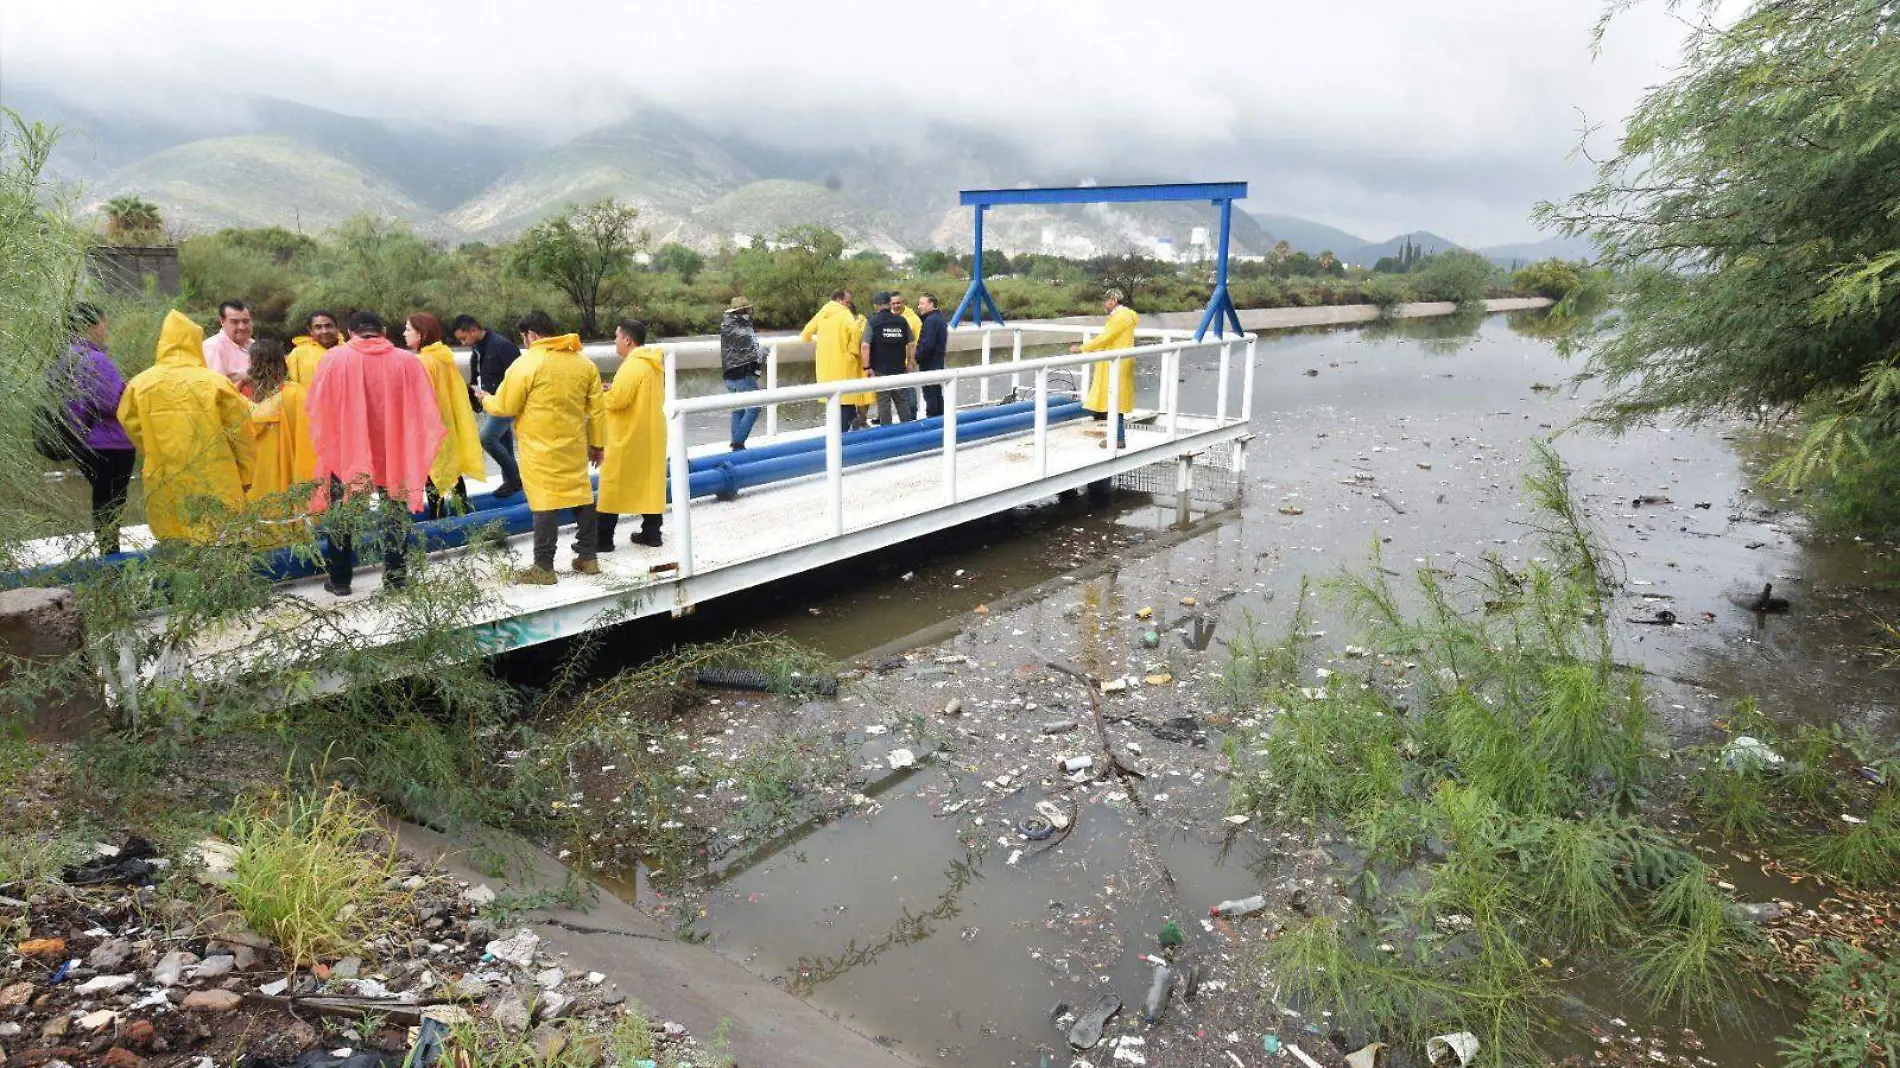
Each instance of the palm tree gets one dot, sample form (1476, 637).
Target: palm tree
(129, 217)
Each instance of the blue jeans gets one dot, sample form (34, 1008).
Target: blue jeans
(743, 418)
(498, 440)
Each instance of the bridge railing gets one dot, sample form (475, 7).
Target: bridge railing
(990, 351)
(1235, 355)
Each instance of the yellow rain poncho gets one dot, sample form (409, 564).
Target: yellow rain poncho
(189, 424)
(461, 450)
(837, 332)
(305, 353)
(1118, 333)
(552, 392)
(280, 427)
(633, 472)
(916, 324)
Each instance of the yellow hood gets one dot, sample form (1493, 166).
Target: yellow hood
(301, 340)
(439, 352)
(564, 343)
(652, 356)
(181, 342)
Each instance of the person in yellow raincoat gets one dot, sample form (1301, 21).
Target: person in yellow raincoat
(552, 392)
(1117, 333)
(280, 427)
(633, 471)
(460, 454)
(837, 329)
(189, 424)
(306, 350)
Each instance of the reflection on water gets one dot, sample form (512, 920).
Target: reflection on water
(1440, 335)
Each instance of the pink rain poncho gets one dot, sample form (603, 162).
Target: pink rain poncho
(373, 415)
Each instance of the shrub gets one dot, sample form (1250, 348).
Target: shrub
(1458, 276)
(1553, 278)
(310, 872)
(1387, 292)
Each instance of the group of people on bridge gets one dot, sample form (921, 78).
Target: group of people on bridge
(231, 426)
(228, 427)
(896, 340)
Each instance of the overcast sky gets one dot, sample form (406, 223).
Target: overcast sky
(1376, 116)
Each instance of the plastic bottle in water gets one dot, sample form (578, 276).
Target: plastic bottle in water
(1246, 906)
(1159, 990)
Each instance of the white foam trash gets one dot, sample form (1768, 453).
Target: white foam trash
(1460, 1049)
(1746, 753)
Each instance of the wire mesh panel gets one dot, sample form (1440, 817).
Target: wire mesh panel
(1215, 484)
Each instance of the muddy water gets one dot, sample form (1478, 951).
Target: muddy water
(923, 918)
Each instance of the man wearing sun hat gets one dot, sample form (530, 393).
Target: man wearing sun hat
(740, 357)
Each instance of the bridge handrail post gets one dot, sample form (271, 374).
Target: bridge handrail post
(1220, 389)
(669, 363)
(1016, 356)
(983, 385)
(1042, 422)
(950, 442)
(1171, 376)
(771, 382)
(682, 492)
(834, 461)
(1246, 383)
(1114, 403)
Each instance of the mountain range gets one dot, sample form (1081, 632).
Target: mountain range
(266, 162)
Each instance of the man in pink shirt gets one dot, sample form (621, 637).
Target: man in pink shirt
(228, 351)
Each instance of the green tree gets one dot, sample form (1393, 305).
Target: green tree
(587, 254)
(1130, 272)
(132, 220)
(1458, 276)
(1552, 278)
(1752, 210)
(370, 263)
(789, 281)
(675, 258)
(931, 261)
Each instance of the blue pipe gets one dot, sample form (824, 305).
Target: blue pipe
(1058, 411)
(719, 476)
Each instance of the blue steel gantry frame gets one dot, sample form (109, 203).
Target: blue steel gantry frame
(1220, 307)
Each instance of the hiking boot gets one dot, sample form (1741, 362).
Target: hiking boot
(738, 446)
(507, 489)
(535, 576)
(334, 590)
(586, 565)
(648, 537)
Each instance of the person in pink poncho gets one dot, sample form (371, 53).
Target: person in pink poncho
(376, 428)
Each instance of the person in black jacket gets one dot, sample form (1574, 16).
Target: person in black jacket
(489, 357)
(740, 357)
(932, 341)
(890, 349)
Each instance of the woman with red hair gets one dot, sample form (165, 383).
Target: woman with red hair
(460, 454)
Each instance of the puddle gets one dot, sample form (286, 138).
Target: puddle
(908, 918)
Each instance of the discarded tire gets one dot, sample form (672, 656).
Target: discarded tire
(1035, 828)
(760, 682)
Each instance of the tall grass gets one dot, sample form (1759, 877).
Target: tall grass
(310, 872)
(1502, 752)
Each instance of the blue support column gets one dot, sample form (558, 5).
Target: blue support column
(977, 298)
(1220, 307)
